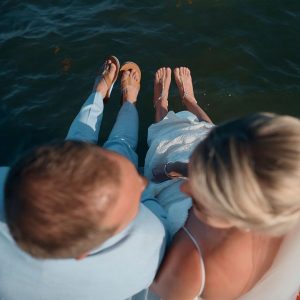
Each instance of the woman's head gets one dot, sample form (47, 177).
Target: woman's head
(247, 172)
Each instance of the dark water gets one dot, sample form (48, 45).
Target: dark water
(244, 57)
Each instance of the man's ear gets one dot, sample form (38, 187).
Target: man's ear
(81, 256)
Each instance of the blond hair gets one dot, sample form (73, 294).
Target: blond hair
(248, 171)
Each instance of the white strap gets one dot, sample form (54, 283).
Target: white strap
(202, 267)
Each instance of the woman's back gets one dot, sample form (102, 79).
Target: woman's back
(233, 261)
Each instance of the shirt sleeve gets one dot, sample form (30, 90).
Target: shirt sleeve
(154, 206)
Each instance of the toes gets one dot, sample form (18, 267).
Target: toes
(165, 71)
(168, 71)
(134, 75)
(176, 72)
(156, 76)
(112, 67)
(160, 71)
(125, 74)
(181, 72)
(186, 71)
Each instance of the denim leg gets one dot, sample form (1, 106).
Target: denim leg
(124, 135)
(86, 125)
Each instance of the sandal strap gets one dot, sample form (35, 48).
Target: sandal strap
(105, 76)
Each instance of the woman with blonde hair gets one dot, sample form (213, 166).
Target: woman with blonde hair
(241, 239)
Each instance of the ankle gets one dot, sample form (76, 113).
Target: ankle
(101, 88)
(161, 104)
(189, 100)
(129, 98)
(160, 113)
(132, 101)
(129, 94)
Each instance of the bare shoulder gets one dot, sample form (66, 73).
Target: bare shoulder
(237, 264)
(179, 276)
(228, 267)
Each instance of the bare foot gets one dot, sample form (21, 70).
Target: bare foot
(130, 84)
(184, 83)
(162, 83)
(101, 85)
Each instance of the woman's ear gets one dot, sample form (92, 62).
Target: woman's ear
(185, 187)
(219, 223)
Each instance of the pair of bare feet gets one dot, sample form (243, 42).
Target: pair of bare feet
(162, 83)
(130, 82)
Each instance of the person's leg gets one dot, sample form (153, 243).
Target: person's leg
(185, 86)
(162, 83)
(124, 135)
(86, 125)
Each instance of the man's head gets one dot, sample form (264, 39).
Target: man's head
(64, 199)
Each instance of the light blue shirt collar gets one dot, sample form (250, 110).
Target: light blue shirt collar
(114, 240)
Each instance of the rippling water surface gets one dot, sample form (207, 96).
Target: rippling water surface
(244, 57)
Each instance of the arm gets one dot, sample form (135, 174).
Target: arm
(229, 267)
(171, 170)
(179, 276)
(148, 199)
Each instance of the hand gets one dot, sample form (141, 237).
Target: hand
(160, 173)
(171, 170)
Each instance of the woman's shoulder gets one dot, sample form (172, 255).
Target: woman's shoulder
(237, 263)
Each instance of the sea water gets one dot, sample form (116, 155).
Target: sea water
(244, 57)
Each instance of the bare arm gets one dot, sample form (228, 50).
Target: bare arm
(179, 277)
(228, 267)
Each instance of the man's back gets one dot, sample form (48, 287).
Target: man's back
(124, 265)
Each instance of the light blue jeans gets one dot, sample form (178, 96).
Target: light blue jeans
(124, 135)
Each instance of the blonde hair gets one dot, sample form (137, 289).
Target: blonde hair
(248, 171)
